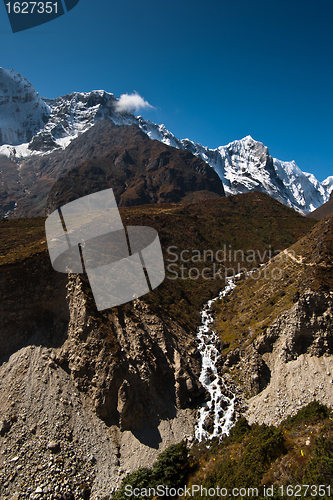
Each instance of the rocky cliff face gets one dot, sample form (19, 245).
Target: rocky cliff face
(33, 308)
(135, 366)
(291, 363)
(284, 356)
(86, 396)
(300, 363)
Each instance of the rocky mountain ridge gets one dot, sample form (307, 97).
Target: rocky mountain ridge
(139, 171)
(242, 165)
(89, 396)
(245, 165)
(280, 350)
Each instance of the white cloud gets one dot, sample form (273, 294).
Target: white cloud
(130, 103)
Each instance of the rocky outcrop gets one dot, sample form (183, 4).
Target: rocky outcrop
(135, 366)
(85, 396)
(291, 363)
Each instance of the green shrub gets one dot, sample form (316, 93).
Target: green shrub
(319, 469)
(238, 432)
(246, 467)
(171, 469)
(172, 466)
(313, 412)
(141, 478)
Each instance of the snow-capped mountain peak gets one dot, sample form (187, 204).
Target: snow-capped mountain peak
(36, 125)
(246, 164)
(30, 125)
(22, 112)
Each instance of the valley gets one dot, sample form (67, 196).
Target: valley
(103, 370)
(221, 373)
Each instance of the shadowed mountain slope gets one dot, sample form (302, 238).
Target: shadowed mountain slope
(122, 157)
(139, 170)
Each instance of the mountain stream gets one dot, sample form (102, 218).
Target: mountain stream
(216, 415)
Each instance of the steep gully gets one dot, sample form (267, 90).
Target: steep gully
(217, 415)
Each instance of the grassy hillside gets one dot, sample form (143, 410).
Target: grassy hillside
(20, 238)
(205, 232)
(258, 300)
(291, 460)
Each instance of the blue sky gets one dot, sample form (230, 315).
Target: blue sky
(215, 71)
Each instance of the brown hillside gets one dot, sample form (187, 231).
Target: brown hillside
(257, 301)
(249, 221)
(122, 157)
(139, 170)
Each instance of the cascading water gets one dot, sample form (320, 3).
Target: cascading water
(216, 415)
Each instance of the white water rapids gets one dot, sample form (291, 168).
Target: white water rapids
(215, 416)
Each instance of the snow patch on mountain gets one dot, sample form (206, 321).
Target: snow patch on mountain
(22, 112)
(30, 125)
(245, 165)
(328, 184)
